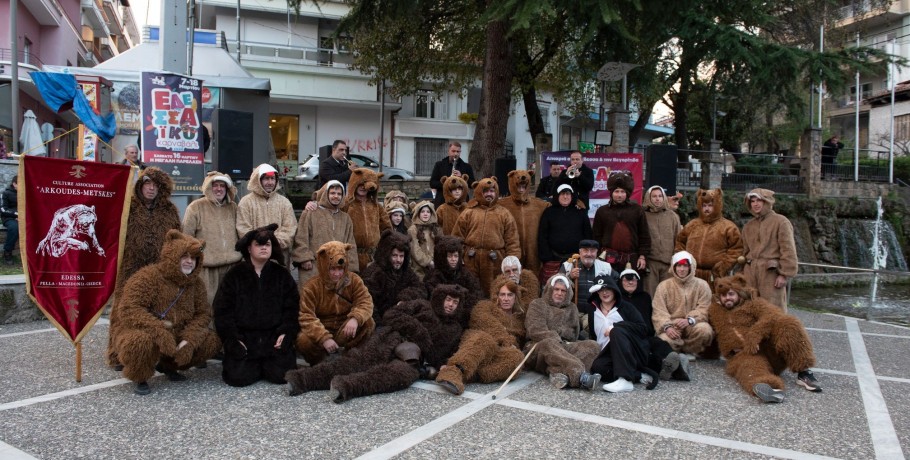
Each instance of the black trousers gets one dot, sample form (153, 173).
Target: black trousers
(261, 361)
(624, 356)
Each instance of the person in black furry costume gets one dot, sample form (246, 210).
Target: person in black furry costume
(448, 268)
(256, 309)
(389, 277)
(418, 335)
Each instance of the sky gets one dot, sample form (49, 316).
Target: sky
(141, 7)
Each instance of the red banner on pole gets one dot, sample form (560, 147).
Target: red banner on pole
(603, 165)
(74, 216)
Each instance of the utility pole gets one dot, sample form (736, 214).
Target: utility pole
(14, 78)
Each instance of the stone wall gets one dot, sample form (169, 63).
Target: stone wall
(15, 304)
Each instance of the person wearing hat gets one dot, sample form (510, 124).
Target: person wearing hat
(661, 358)
(417, 337)
(561, 227)
(396, 218)
(325, 222)
(584, 269)
(663, 226)
(769, 248)
(213, 218)
(622, 335)
(151, 216)
(621, 227)
(681, 305)
(759, 341)
(264, 206)
(256, 310)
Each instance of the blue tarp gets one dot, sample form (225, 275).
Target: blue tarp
(61, 89)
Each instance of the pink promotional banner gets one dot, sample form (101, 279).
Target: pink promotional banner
(74, 215)
(172, 133)
(603, 165)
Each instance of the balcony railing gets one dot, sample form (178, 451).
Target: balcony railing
(28, 58)
(325, 57)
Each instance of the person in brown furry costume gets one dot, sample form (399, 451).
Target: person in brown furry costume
(455, 193)
(398, 199)
(663, 226)
(151, 216)
(562, 351)
(368, 216)
(448, 268)
(423, 232)
(336, 309)
(621, 227)
(769, 248)
(714, 240)
(389, 279)
(526, 210)
(325, 222)
(163, 320)
(528, 284)
(418, 334)
(491, 349)
(264, 206)
(759, 341)
(489, 232)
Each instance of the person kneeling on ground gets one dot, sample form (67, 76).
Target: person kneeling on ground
(256, 311)
(562, 353)
(164, 315)
(759, 341)
(491, 349)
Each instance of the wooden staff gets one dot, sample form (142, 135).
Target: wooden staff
(574, 261)
(522, 363)
(79, 361)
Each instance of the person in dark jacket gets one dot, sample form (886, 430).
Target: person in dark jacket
(579, 176)
(256, 309)
(623, 336)
(546, 190)
(389, 277)
(9, 212)
(621, 227)
(562, 226)
(336, 166)
(451, 165)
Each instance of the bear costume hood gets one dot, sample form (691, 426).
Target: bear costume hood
(437, 300)
(416, 216)
(323, 195)
(260, 235)
(391, 239)
(451, 183)
(444, 245)
(369, 179)
(176, 244)
(715, 196)
(161, 179)
(206, 188)
(621, 180)
(520, 178)
(765, 195)
(333, 254)
(604, 282)
(650, 206)
(548, 291)
(479, 187)
(255, 186)
(680, 256)
(736, 283)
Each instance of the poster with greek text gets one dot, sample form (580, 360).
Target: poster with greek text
(603, 165)
(73, 223)
(172, 128)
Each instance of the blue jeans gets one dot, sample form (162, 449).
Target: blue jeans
(12, 234)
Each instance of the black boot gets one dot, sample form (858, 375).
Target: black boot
(8, 257)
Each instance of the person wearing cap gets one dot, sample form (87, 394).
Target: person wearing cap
(712, 239)
(213, 218)
(547, 188)
(256, 310)
(759, 341)
(681, 305)
(336, 309)
(264, 206)
(769, 248)
(562, 351)
(661, 357)
(620, 226)
(527, 212)
(417, 338)
(151, 216)
(561, 227)
(663, 226)
(622, 335)
(584, 269)
(528, 286)
(325, 222)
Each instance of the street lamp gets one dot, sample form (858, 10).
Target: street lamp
(715, 113)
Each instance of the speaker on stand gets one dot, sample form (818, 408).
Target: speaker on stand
(661, 167)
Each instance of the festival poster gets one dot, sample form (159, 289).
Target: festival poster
(74, 215)
(172, 133)
(603, 165)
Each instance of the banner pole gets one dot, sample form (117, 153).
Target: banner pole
(79, 361)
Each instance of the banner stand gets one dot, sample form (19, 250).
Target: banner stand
(79, 361)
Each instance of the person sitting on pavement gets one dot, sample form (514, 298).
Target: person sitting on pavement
(491, 349)
(759, 341)
(417, 336)
(562, 352)
(681, 308)
(389, 278)
(623, 338)
(528, 287)
(336, 309)
(164, 315)
(256, 310)
(448, 268)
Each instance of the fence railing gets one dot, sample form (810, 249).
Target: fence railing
(327, 57)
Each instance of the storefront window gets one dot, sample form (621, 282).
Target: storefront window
(285, 140)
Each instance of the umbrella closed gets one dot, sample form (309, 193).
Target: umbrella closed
(30, 138)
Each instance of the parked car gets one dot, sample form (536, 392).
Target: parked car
(309, 169)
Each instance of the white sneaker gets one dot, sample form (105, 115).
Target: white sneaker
(646, 379)
(621, 385)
